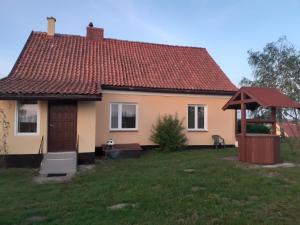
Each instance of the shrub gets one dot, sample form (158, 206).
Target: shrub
(255, 128)
(169, 134)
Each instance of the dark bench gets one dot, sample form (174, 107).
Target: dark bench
(122, 151)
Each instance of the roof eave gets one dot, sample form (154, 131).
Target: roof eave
(169, 90)
(80, 97)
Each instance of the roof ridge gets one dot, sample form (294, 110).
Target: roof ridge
(275, 88)
(58, 34)
(124, 40)
(151, 43)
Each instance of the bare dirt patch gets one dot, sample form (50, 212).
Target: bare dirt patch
(42, 179)
(34, 220)
(252, 165)
(86, 168)
(121, 206)
(231, 158)
(189, 170)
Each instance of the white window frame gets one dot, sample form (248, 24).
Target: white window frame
(17, 133)
(196, 118)
(120, 105)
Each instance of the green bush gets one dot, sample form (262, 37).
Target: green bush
(255, 128)
(169, 133)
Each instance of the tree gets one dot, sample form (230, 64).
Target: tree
(277, 66)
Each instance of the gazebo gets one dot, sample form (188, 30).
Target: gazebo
(259, 148)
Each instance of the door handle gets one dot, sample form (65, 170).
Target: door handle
(51, 125)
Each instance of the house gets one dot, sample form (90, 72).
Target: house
(288, 129)
(70, 92)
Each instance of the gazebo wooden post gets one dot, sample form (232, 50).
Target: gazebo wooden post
(273, 113)
(242, 151)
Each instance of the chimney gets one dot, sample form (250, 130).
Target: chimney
(94, 33)
(51, 26)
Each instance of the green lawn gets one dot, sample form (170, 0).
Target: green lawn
(218, 192)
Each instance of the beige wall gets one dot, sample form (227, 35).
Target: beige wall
(20, 143)
(93, 120)
(86, 126)
(29, 144)
(151, 106)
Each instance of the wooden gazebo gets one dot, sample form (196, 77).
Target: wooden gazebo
(259, 148)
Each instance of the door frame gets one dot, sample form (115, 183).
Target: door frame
(62, 102)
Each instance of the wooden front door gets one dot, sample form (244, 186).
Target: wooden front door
(62, 126)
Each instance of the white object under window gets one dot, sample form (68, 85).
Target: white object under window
(197, 117)
(123, 116)
(27, 117)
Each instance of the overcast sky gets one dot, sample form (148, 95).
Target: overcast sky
(226, 28)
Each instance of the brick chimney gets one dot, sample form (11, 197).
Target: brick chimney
(94, 33)
(51, 26)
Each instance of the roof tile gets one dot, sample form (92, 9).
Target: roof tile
(70, 64)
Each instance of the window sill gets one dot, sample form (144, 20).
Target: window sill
(197, 130)
(124, 130)
(26, 134)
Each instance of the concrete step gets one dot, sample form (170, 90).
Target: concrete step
(59, 163)
(59, 155)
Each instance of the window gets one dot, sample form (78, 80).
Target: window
(27, 117)
(197, 117)
(123, 116)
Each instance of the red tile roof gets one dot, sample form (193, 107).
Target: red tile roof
(70, 64)
(261, 96)
(290, 129)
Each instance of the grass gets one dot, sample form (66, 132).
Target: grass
(218, 192)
